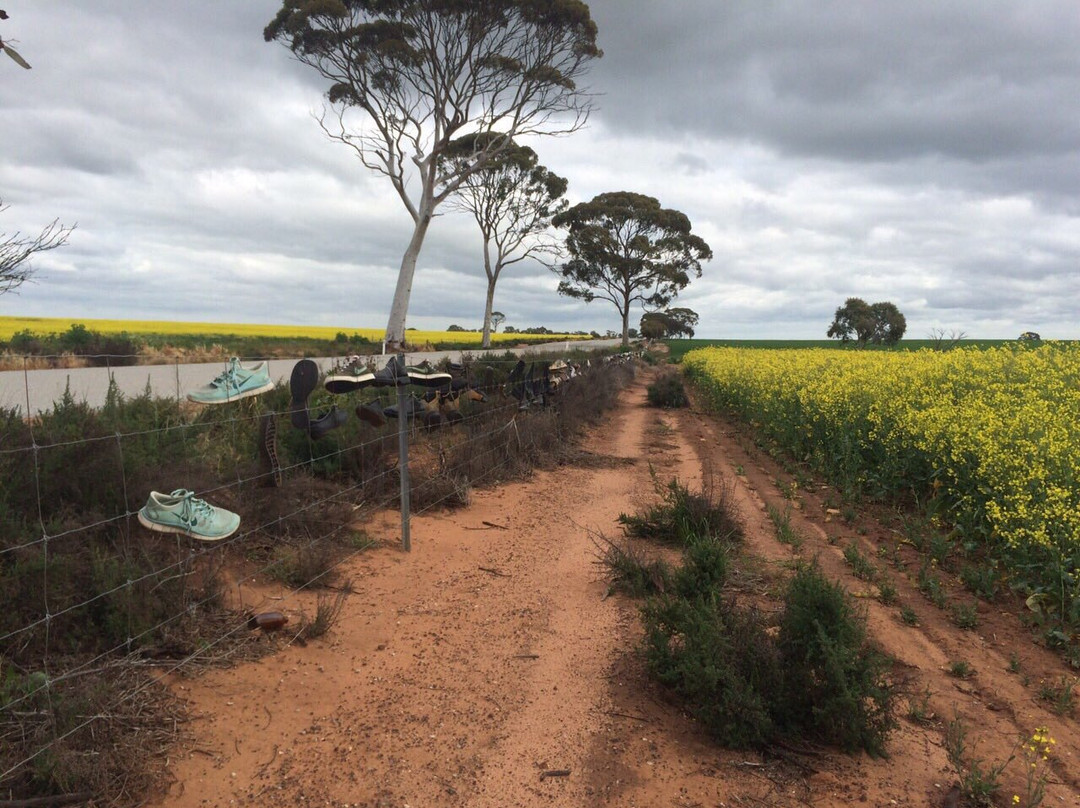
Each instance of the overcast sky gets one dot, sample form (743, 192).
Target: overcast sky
(921, 152)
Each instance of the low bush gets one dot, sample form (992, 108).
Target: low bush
(810, 673)
(668, 391)
(683, 515)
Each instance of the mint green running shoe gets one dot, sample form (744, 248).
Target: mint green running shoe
(234, 383)
(182, 512)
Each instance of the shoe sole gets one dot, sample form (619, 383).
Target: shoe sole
(302, 383)
(157, 527)
(246, 394)
(340, 385)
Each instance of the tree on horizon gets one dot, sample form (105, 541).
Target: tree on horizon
(626, 249)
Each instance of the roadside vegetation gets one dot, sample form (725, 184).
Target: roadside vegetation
(753, 674)
(981, 445)
(54, 342)
(94, 608)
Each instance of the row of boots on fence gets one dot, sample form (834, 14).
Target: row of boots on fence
(533, 385)
(439, 404)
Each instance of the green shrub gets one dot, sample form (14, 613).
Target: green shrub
(835, 686)
(668, 392)
(720, 660)
(682, 515)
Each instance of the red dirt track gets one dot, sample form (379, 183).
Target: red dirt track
(489, 668)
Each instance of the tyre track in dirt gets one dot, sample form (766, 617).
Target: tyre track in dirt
(457, 674)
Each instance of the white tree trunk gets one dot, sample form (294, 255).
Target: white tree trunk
(395, 327)
(626, 326)
(488, 305)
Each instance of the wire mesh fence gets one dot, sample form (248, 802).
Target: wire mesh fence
(98, 610)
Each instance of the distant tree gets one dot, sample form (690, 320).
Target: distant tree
(625, 248)
(16, 251)
(421, 73)
(942, 340)
(669, 323)
(880, 323)
(497, 318)
(509, 330)
(633, 333)
(10, 51)
(512, 199)
(454, 327)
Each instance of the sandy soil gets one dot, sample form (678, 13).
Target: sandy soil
(488, 667)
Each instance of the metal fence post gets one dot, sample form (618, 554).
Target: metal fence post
(403, 454)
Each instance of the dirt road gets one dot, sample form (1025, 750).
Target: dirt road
(489, 668)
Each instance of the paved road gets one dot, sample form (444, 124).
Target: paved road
(36, 390)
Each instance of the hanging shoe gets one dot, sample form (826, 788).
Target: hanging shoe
(391, 375)
(372, 413)
(348, 376)
(331, 420)
(425, 375)
(182, 512)
(234, 383)
(302, 382)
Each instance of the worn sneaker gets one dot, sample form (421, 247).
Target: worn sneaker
(426, 375)
(391, 375)
(330, 420)
(349, 375)
(182, 512)
(234, 383)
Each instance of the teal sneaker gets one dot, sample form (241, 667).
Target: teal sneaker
(234, 383)
(182, 512)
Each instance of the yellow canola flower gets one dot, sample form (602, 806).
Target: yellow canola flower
(993, 435)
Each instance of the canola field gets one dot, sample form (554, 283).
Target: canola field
(9, 326)
(988, 440)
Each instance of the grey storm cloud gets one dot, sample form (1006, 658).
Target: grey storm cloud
(921, 152)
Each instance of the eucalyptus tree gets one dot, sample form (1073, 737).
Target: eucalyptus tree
(513, 199)
(409, 77)
(878, 323)
(627, 249)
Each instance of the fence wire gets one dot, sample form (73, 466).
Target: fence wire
(493, 422)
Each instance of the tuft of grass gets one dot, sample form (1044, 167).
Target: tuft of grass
(327, 611)
(785, 532)
(965, 615)
(919, 710)
(1061, 696)
(979, 783)
(860, 565)
(908, 616)
(961, 669)
(887, 592)
(630, 570)
(682, 515)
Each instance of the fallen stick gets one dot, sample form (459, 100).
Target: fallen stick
(492, 524)
(554, 773)
(493, 572)
(526, 656)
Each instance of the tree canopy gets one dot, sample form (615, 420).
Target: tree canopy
(512, 199)
(409, 77)
(669, 323)
(879, 324)
(625, 248)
